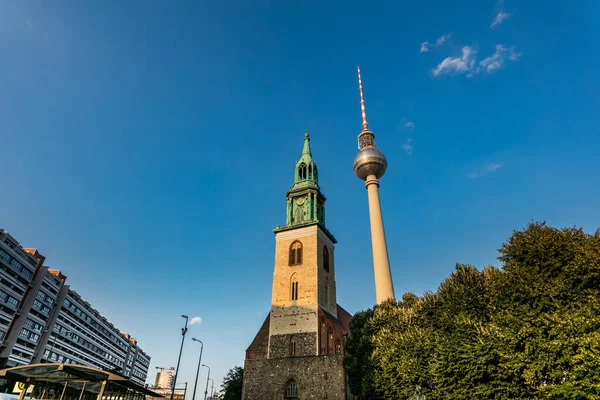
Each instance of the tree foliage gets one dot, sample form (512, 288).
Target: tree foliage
(231, 388)
(530, 330)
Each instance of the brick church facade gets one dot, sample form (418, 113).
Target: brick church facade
(298, 351)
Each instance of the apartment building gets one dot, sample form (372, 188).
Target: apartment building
(43, 320)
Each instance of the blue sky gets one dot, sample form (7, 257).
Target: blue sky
(147, 147)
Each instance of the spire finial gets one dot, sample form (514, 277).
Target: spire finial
(362, 102)
(306, 149)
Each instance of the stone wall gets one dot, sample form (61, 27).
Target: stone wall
(306, 345)
(317, 377)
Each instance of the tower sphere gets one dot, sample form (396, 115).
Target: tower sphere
(369, 161)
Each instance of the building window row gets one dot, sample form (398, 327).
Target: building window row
(8, 299)
(29, 323)
(86, 356)
(86, 306)
(45, 297)
(16, 265)
(15, 286)
(27, 334)
(84, 344)
(90, 321)
(44, 309)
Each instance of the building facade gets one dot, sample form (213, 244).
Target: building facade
(164, 378)
(43, 320)
(298, 352)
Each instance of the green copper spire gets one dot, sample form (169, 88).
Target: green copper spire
(306, 168)
(305, 202)
(306, 149)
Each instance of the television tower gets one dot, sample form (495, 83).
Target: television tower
(370, 165)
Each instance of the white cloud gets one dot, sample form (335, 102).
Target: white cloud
(457, 65)
(467, 62)
(426, 46)
(407, 147)
(486, 170)
(500, 18)
(196, 321)
(496, 60)
(442, 39)
(410, 125)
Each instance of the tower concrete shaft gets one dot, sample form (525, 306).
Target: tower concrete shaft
(384, 288)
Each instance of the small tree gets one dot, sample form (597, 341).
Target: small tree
(232, 384)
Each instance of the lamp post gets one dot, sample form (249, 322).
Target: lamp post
(183, 332)
(199, 363)
(207, 378)
(212, 388)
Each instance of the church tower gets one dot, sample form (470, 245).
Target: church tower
(299, 349)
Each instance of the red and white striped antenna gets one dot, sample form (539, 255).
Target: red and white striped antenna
(362, 103)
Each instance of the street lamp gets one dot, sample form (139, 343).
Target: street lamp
(207, 378)
(183, 332)
(198, 371)
(212, 389)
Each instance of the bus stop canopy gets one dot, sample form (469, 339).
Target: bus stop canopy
(83, 379)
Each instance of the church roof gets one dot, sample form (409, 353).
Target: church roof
(344, 317)
(259, 347)
(342, 323)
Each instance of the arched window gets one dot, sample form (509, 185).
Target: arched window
(294, 288)
(338, 346)
(302, 172)
(310, 172)
(325, 258)
(293, 344)
(329, 341)
(291, 391)
(296, 253)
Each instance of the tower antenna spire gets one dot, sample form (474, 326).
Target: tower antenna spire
(365, 124)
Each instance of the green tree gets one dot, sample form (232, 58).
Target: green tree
(231, 387)
(530, 330)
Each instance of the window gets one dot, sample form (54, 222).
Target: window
(323, 337)
(293, 345)
(12, 302)
(294, 290)
(302, 172)
(338, 346)
(329, 341)
(291, 391)
(296, 253)
(325, 259)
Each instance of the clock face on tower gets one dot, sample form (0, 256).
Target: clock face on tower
(300, 200)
